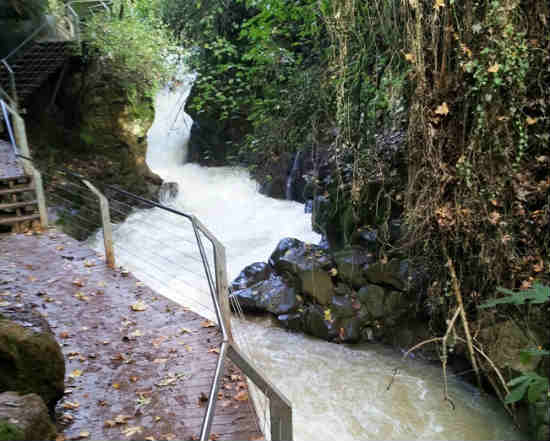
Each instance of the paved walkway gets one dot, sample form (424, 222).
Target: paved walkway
(137, 363)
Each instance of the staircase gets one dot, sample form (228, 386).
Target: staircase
(33, 64)
(18, 204)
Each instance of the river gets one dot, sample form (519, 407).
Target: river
(338, 392)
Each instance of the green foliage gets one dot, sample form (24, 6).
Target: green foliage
(530, 383)
(539, 293)
(132, 45)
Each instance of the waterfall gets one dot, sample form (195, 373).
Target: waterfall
(289, 193)
(338, 392)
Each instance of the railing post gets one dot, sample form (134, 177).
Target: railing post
(21, 140)
(40, 197)
(106, 221)
(222, 293)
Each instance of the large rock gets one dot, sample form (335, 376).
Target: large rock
(24, 418)
(272, 295)
(351, 264)
(32, 361)
(505, 343)
(251, 275)
(393, 273)
(315, 323)
(308, 264)
(372, 297)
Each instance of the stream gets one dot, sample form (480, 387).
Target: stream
(338, 392)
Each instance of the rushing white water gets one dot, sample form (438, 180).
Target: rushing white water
(338, 392)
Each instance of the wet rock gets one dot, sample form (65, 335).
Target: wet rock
(308, 206)
(350, 330)
(320, 213)
(292, 321)
(508, 340)
(251, 275)
(308, 264)
(372, 297)
(32, 361)
(341, 307)
(272, 295)
(394, 273)
(168, 191)
(316, 325)
(24, 418)
(351, 262)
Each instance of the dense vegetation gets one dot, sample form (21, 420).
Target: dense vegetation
(467, 82)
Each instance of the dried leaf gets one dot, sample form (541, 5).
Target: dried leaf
(214, 350)
(134, 379)
(109, 423)
(82, 435)
(139, 306)
(160, 360)
(493, 68)
(131, 431)
(76, 373)
(116, 386)
(442, 109)
(438, 4)
(136, 333)
(241, 396)
(122, 419)
(410, 57)
(78, 283)
(208, 324)
(71, 405)
(64, 334)
(530, 121)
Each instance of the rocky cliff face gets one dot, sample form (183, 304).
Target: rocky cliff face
(96, 127)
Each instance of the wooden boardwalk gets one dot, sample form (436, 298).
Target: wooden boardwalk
(138, 365)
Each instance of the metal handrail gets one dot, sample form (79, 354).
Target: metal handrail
(280, 407)
(75, 35)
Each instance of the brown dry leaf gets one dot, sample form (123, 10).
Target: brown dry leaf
(539, 266)
(241, 385)
(71, 405)
(185, 330)
(150, 438)
(158, 341)
(160, 360)
(203, 398)
(59, 247)
(64, 334)
(116, 386)
(410, 57)
(109, 423)
(214, 436)
(80, 296)
(67, 417)
(530, 121)
(442, 109)
(82, 435)
(122, 419)
(241, 396)
(208, 324)
(76, 373)
(139, 306)
(131, 431)
(78, 283)
(228, 386)
(493, 68)
(88, 264)
(134, 379)
(60, 437)
(214, 350)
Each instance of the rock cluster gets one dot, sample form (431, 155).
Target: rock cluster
(345, 296)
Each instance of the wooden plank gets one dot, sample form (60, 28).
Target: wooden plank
(41, 197)
(6, 191)
(222, 288)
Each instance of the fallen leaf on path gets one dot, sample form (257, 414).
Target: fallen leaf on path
(134, 379)
(122, 419)
(168, 436)
(116, 386)
(78, 282)
(139, 306)
(131, 431)
(214, 350)
(82, 435)
(185, 330)
(67, 418)
(203, 398)
(208, 324)
(75, 373)
(241, 396)
(71, 405)
(160, 360)
(109, 423)
(136, 333)
(88, 264)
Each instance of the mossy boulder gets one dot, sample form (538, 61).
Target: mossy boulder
(352, 263)
(24, 418)
(31, 359)
(394, 273)
(272, 295)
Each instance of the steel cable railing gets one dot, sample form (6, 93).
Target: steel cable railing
(188, 269)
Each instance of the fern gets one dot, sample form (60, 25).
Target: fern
(538, 293)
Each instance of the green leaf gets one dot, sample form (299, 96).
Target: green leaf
(517, 393)
(538, 293)
(537, 389)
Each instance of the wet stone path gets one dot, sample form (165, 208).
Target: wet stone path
(138, 366)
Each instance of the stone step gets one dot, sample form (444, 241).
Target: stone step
(9, 206)
(11, 220)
